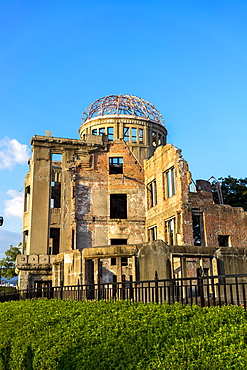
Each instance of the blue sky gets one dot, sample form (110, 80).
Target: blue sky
(188, 58)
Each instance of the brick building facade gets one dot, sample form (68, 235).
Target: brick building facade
(95, 206)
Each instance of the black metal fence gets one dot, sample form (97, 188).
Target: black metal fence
(204, 291)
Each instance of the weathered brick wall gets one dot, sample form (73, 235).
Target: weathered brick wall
(94, 185)
(165, 158)
(217, 220)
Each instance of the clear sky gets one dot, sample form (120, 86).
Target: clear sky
(188, 58)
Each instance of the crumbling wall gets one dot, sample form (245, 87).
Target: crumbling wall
(94, 186)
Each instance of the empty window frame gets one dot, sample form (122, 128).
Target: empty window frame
(159, 139)
(101, 131)
(26, 201)
(55, 194)
(115, 165)
(54, 241)
(152, 194)
(133, 135)
(170, 231)
(118, 241)
(95, 131)
(126, 133)
(124, 261)
(118, 206)
(110, 133)
(170, 183)
(154, 138)
(223, 240)
(56, 157)
(152, 233)
(140, 135)
(197, 222)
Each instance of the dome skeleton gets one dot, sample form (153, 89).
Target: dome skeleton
(122, 105)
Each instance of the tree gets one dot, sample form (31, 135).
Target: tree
(234, 191)
(7, 264)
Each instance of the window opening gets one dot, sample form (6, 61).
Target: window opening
(124, 261)
(118, 206)
(25, 240)
(73, 239)
(134, 134)
(94, 131)
(113, 261)
(170, 183)
(56, 157)
(170, 231)
(55, 194)
(54, 241)
(126, 133)
(140, 138)
(152, 233)
(102, 131)
(197, 228)
(154, 138)
(110, 133)
(27, 195)
(223, 240)
(152, 194)
(115, 165)
(159, 139)
(118, 241)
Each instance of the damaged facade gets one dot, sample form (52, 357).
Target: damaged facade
(116, 205)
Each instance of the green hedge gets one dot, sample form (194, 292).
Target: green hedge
(55, 334)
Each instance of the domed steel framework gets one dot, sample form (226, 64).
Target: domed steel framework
(122, 104)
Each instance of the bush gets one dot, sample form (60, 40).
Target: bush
(55, 334)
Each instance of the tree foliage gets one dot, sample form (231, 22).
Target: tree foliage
(7, 264)
(234, 191)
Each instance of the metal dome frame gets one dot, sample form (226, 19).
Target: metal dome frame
(122, 105)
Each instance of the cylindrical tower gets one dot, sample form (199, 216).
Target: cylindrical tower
(126, 117)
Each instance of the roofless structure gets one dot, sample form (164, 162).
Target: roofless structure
(126, 117)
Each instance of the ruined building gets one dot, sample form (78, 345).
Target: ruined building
(117, 203)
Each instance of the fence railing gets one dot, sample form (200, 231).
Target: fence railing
(203, 291)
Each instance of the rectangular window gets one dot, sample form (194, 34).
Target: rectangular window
(126, 133)
(54, 241)
(118, 241)
(152, 194)
(170, 231)
(55, 194)
(140, 137)
(170, 183)
(223, 240)
(152, 233)
(27, 195)
(110, 133)
(118, 206)
(115, 165)
(197, 222)
(94, 131)
(124, 261)
(159, 140)
(133, 134)
(101, 131)
(113, 261)
(154, 138)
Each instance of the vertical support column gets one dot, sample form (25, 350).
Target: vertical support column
(39, 200)
(120, 132)
(183, 275)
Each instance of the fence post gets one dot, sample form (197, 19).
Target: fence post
(156, 278)
(131, 289)
(78, 290)
(61, 291)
